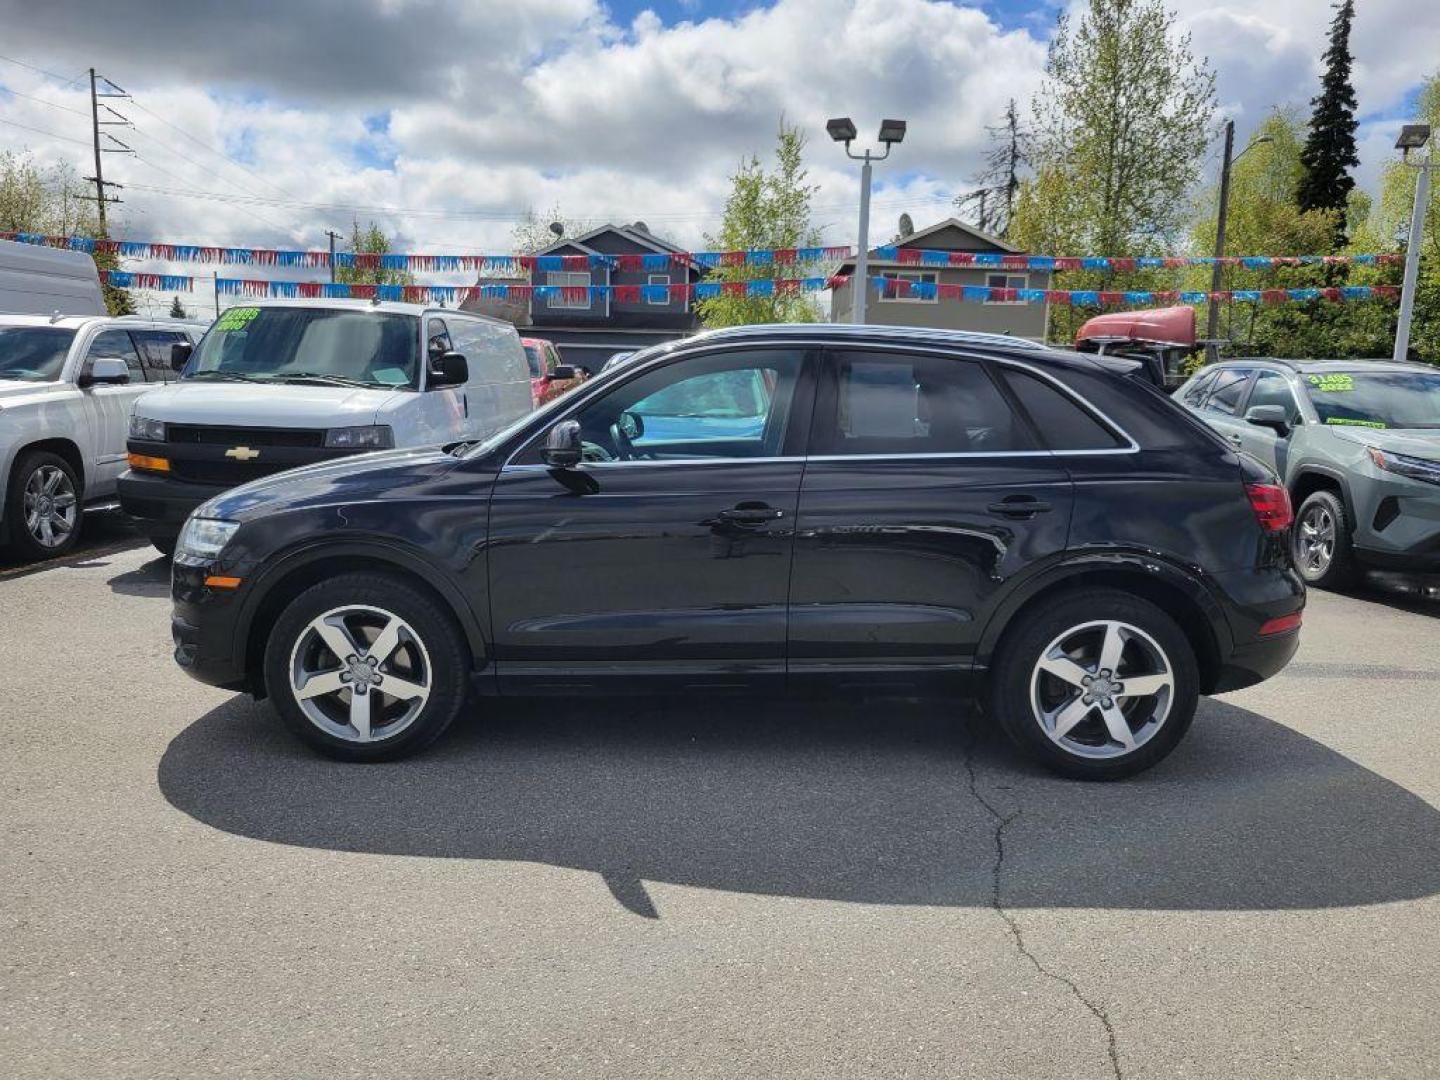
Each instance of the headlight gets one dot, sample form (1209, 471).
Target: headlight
(1413, 467)
(144, 428)
(371, 437)
(202, 540)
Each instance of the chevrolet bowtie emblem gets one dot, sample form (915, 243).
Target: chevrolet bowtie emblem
(242, 453)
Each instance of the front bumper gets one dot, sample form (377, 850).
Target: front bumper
(161, 502)
(1397, 522)
(205, 640)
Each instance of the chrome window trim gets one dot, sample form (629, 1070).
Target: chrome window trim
(679, 352)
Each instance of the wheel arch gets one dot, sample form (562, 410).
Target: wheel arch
(1171, 588)
(58, 445)
(299, 570)
(1312, 478)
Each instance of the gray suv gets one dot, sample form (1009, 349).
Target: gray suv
(1356, 442)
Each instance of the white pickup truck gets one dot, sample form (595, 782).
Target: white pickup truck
(67, 385)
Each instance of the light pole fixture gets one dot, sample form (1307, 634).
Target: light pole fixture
(842, 130)
(1413, 137)
(1212, 314)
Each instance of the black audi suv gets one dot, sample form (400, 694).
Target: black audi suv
(816, 509)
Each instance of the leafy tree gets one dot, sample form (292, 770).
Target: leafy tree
(766, 210)
(44, 201)
(177, 309)
(1121, 126)
(533, 232)
(371, 241)
(1329, 152)
(998, 183)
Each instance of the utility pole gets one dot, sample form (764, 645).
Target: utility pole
(100, 198)
(333, 235)
(1212, 317)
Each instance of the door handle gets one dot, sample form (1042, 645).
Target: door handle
(750, 515)
(1019, 506)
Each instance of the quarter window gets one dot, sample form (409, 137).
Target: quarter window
(1198, 389)
(117, 343)
(1062, 423)
(889, 404)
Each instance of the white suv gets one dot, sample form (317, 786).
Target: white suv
(67, 384)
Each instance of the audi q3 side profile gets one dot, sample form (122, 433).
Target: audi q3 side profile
(818, 510)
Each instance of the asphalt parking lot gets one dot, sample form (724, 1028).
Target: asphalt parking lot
(679, 889)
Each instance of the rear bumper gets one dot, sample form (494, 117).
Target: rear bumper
(1250, 664)
(1251, 599)
(161, 503)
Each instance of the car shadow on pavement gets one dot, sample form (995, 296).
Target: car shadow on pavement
(865, 803)
(152, 579)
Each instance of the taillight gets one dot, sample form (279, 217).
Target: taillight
(1282, 624)
(1271, 504)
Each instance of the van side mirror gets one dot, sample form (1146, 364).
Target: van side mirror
(1273, 417)
(562, 445)
(449, 369)
(108, 369)
(180, 355)
(564, 371)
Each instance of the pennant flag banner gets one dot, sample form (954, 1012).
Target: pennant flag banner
(124, 279)
(890, 287)
(506, 265)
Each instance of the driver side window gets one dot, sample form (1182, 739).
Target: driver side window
(726, 405)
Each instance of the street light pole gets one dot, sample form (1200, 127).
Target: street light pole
(1412, 137)
(842, 130)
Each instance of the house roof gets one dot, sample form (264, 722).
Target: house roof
(638, 236)
(915, 240)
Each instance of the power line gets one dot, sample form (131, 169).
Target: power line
(42, 101)
(47, 134)
(42, 71)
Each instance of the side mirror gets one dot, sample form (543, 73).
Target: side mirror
(449, 369)
(562, 445)
(1273, 417)
(108, 369)
(563, 371)
(180, 355)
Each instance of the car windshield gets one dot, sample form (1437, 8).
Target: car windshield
(33, 353)
(535, 357)
(310, 346)
(1392, 399)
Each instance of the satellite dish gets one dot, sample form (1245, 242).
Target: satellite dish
(640, 226)
(558, 228)
(907, 227)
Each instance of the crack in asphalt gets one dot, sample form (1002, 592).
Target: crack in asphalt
(1012, 925)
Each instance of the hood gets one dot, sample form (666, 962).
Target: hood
(10, 389)
(363, 476)
(261, 405)
(1417, 442)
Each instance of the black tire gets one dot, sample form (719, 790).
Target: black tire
(22, 541)
(164, 544)
(440, 640)
(1032, 634)
(1339, 570)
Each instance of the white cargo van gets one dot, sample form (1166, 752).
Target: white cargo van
(279, 384)
(48, 281)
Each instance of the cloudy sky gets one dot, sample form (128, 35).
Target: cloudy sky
(265, 123)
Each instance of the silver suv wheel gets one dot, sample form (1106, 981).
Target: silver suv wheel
(360, 673)
(51, 508)
(1315, 540)
(1102, 689)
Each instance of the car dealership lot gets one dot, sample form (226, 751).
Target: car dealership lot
(682, 888)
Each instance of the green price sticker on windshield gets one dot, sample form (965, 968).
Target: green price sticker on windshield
(1346, 421)
(237, 318)
(1333, 384)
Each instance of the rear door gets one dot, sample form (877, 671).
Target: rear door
(1221, 405)
(925, 490)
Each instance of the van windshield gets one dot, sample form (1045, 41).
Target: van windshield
(33, 353)
(310, 346)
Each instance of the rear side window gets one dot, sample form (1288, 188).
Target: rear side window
(1063, 424)
(897, 404)
(1197, 390)
(1229, 388)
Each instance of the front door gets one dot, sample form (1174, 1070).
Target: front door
(1262, 443)
(667, 551)
(108, 406)
(924, 492)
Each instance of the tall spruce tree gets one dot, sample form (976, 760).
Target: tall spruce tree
(1329, 152)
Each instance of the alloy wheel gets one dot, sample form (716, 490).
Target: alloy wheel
(1315, 541)
(51, 508)
(1102, 689)
(360, 673)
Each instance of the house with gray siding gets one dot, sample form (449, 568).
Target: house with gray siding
(588, 330)
(889, 308)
